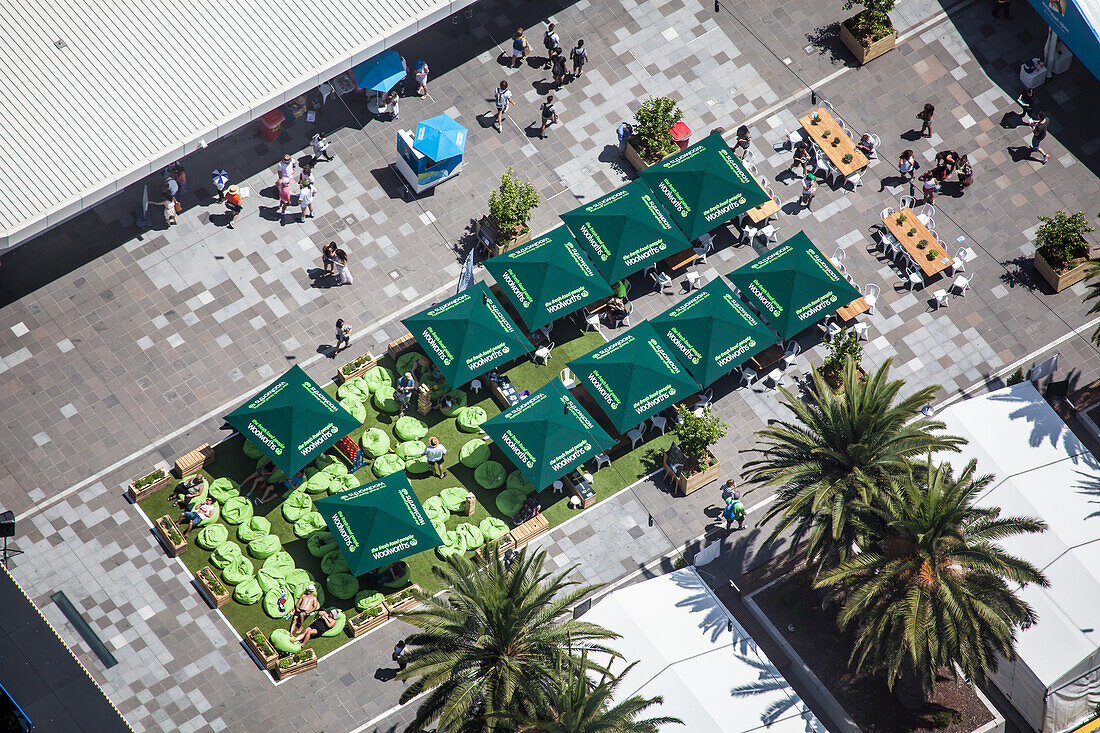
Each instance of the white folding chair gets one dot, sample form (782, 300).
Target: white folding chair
(749, 233)
(705, 398)
(635, 437)
(775, 376)
(661, 280)
(749, 158)
(915, 279)
(748, 376)
(940, 297)
(926, 213)
(602, 458)
(625, 320)
(794, 138)
(790, 353)
(659, 423)
(855, 178)
(961, 284)
(907, 202)
(542, 353)
(885, 213)
(692, 279)
(876, 140)
(830, 326)
(958, 262)
(592, 321)
(870, 297)
(567, 378)
(770, 233)
(839, 255)
(860, 330)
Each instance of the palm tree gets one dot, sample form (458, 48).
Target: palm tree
(937, 588)
(495, 642)
(578, 706)
(832, 461)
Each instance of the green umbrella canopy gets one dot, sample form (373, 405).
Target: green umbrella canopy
(633, 377)
(292, 421)
(793, 286)
(378, 523)
(625, 230)
(468, 334)
(703, 186)
(711, 332)
(547, 278)
(547, 435)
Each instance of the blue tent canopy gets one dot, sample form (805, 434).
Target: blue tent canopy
(380, 73)
(1077, 23)
(440, 138)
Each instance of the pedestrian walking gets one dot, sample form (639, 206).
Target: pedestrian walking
(283, 186)
(800, 159)
(233, 204)
(929, 187)
(170, 204)
(320, 148)
(809, 188)
(340, 263)
(549, 115)
(171, 186)
(286, 168)
(219, 178)
(421, 78)
(176, 172)
(434, 452)
(1027, 102)
(406, 384)
(394, 101)
(624, 132)
(343, 336)
(399, 653)
(305, 200)
(503, 100)
(734, 512)
(907, 167)
(1038, 133)
(743, 138)
(925, 116)
(328, 258)
(520, 47)
(550, 42)
(1002, 9)
(557, 66)
(579, 57)
(728, 490)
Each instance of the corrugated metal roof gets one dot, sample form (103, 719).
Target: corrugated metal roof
(138, 83)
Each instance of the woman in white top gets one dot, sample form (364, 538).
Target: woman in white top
(305, 200)
(343, 274)
(907, 165)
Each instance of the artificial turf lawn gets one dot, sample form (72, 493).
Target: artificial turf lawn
(231, 461)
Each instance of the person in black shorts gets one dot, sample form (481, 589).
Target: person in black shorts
(1038, 133)
(325, 620)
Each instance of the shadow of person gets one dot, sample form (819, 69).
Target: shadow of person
(328, 350)
(385, 674)
(1021, 153)
(911, 135)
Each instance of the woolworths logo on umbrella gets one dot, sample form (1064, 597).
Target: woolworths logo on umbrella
(567, 299)
(414, 510)
(604, 390)
(393, 547)
(264, 436)
(659, 350)
(656, 211)
(740, 349)
(816, 257)
(612, 347)
(734, 166)
(823, 302)
(570, 456)
(674, 198)
(488, 355)
(653, 399)
(518, 448)
(579, 415)
(688, 304)
(320, 396)
(340, 524)
(499, 315)
(520, 292)
(612, 198)
(680, 342)
(523, 407)
(271, 392)
(516, 254)
(457, 301)
(596, 241)
(580, 259)
(736, 305)
(437, 346)
(778, 254)
(316, 440)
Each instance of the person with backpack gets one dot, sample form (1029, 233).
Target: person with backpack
(520, 47)
(549, 115)
(503, 100)
(557, 64)
(550, 42)
(624, 131)
(579, 57)
(343, 336)
(734, 511)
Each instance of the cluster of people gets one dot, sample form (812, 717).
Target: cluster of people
(734, 510)
(334, 261)
(555, 61)
(948, 163)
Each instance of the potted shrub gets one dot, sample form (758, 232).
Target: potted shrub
(403, 601)
(217, 595)
(366, 620)
(825, 135)
(695, 434)
(847, 159)
(902, 218)
(869, 33)
(1061, 251)
(150, 483)
(922, 243)
(844, 345)
(357, 367)
(933, 254)
(651, 140)
(912, 231)
(261, 648)
(510, 209)
(170, 536)
(296, 663)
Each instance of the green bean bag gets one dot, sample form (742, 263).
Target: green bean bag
(253, 529)
(237, 510)
(309, 524)
(355, 389)
(297, 580)
(492, 528)
(318, 483)
(335, 468)
(279, 564)
(406, 361)
(517, 480)
(434, 509)
(471, 535)
(509, 501)
(384, 401)
(265, 546)
(284, 642)
(271, 602)
(224, 488)
(470, 419)
(453, 544)
(459, 398)
(440, 527)
(238, 570)
(342, 585)
(410, 428)
(209, 538)
(338, 624)
(412, 452)
(378, 376)
(453, 498)
(387, 464)
(474, 453)
(375, 442)
(251, 450)
(334, 562)
(268, 579)
(490, 475)
(213, 518)
(296, 505)
(320, 544)
(356, 408)
(365, 599)
(226, 553)
(343, 483)
(248, 592)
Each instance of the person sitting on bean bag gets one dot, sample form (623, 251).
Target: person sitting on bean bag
(194, 518)
(188, 490)
(325, 620)
(259, 476)
(306, 605)
(445, 402)
(272, 488)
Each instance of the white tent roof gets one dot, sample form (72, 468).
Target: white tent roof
(136, 85)
(711, 678)
(1042, 470)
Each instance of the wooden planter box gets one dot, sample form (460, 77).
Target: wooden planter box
(635, 159)
(267, 659)
(687, 484)
(406, 604)
(310, 662)
(137, 494)
(487, 232)
(195, 461)
(504, 543)
(399, 346)
(363, 622)
(206, 578)
(863, 53)
(369, 363)
(1061, 281)
(174, 550)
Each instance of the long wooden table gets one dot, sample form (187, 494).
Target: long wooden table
(679, 260)
(760, 213)
(767, 357)
(853, 309)
(835, 153)
(920, 256)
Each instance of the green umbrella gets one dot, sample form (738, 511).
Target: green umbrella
(712, 332)
(378, 523)
(703, 186)
(292, 421)
(625, 230)
(547, 278)
(633, 377)
(793, 286)
(547, 435)
(468, 334)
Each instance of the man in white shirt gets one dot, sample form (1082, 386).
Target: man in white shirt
(550, 42)
(504, 100)
(286, 167)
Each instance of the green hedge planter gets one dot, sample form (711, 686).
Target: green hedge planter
(223, 489)
(406, 361)
(264, 547)
(320, 544)
(238, 570)
(459, 398)
(248, 592)
(253, 529)
(490, 475)
(226, 553)
(379, 376)
(309, 524)
(284, 642)
(471, 535)
(434, 509)
(368, 599)
(212, 537)
(517, 480)
(509, 501)
(470, 419)
(279, 564)
(492, 528)
(474, 453)
(271, 603)
(387, 464)
(453, 498)
(384, 401)
(237, 510)
(375, 441)
(342, 585)
(410, 428)
(296, 505)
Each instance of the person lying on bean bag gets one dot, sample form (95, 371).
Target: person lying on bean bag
(194, 518)
(306, 605)
(325, 620)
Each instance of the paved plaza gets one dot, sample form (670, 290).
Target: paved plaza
(122, 348)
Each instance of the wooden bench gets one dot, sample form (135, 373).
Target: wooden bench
(195, 461)
(504, 543)
(399, 346)
(529, 530)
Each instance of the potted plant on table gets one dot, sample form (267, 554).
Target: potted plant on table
(510, 208)
(842, 346)
(651, 140)
(695, 434)
(1062, 252)
(869, 33)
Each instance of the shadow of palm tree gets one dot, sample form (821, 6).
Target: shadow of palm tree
(771, 682)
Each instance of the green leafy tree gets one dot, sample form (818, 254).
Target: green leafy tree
(873, 22)
(696, 433)
(936, 589)
(496, 642)
(830, 464)
(1060, 239)
(654, 117)
(842, 346)
(511, 205)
